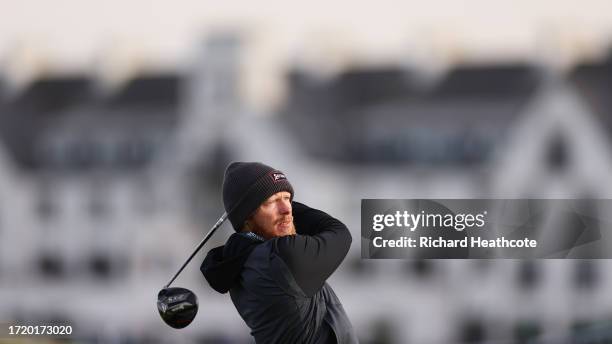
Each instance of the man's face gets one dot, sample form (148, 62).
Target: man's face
(273, 217)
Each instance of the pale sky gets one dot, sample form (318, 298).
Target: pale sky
(79, 34)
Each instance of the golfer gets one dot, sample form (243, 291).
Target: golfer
(276, 264)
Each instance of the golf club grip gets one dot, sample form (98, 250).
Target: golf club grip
(200, 245)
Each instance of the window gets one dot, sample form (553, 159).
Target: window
(134, 153)
(83, 154)
(105, 265)
(100, 266)
(528, 274)
(51, 266)
(46, 207)
(586, 274)
(383, 332)
(472, 331)
(558, 155)
(527, 332)
(358, 267)
(421, 268)
(98, 205)
(144, 196)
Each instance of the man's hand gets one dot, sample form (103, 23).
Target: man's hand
(305, 219)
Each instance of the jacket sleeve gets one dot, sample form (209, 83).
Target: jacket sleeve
(317, 250)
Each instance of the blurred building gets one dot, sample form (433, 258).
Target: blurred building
(389, 117)
(486, 131)
(104, 194)
(98, 192)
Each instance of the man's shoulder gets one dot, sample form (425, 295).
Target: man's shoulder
(262, 252)
(265, 269)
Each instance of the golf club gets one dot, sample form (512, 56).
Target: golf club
(179, 306)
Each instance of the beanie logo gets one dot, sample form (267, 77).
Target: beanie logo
(278, 176)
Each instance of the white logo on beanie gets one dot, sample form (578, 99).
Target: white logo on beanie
(276, 176)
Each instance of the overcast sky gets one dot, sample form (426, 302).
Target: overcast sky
(79, 32)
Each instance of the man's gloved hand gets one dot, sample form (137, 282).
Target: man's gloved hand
(306, 219)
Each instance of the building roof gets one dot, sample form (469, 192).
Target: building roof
(49, 95)
(62, 122)
(500, 80)
(150, 89)
(593, 81)
(383, 116)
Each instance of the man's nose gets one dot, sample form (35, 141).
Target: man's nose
(284, 207)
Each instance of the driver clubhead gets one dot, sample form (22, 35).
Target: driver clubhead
(177, 306)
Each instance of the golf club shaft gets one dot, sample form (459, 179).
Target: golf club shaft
(200, 245)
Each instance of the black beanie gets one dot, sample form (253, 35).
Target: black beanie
(246, 185)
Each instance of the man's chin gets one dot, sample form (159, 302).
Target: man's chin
(284, 230)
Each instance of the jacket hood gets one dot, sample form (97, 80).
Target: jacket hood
(223, 265)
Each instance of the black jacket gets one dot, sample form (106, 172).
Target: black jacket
(278, 285)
